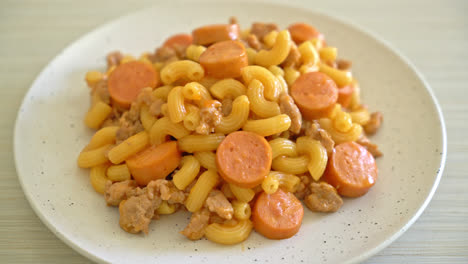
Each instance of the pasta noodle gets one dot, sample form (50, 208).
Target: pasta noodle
(268, 126)
(228, 235)
(128, 147)
(118, 173)
(258, 104)
(189, 169)
(97, 177)
(181, 69)
(205, 183)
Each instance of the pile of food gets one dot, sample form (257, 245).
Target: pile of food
(236, 126)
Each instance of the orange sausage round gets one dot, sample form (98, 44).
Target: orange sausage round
(224, 59)
(128, 79)
(315, 94)
(351, 170)
(215, 33)
(244, 159)
(181, 40)
(301, 32)
(345, 94)
(154, 162)
(278, 215)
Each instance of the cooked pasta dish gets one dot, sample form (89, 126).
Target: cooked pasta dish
(238, 126)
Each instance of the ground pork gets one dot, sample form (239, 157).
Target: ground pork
(374, 123)
(219, 204)
(287, 106)
(117, 192)
(196, 227)
(211, 115)
(323, 198)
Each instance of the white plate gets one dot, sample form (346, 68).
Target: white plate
(49, 134)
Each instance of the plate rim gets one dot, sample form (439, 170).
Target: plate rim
(367, 253)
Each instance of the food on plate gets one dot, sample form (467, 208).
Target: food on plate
(238, 126)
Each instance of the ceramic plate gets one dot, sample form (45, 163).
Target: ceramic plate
(49, 134)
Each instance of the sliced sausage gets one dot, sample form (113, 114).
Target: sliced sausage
(154, 162)
(315, 94)
(301, 32)
(345, 94)
(128, 79)
(224, 59)
(244, 159)
(351, 170)
(278, 215)
(215, 33)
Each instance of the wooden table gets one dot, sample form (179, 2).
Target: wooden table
(433, 34)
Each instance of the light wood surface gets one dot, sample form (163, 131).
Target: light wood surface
(432, 34)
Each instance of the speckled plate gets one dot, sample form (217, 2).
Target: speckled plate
(49, 134)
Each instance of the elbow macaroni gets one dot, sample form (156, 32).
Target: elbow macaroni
(164, 127)
(199, 192)
(268, 126)
(258, 104)
(237, 118)
(227, 88)
(278, 52)
(181, 69)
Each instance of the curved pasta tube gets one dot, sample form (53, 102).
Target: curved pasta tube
(227, 88)
(278, 52)
(182, 69)
(317, 155)
(282, 147)
(128, 147)
(176, 105)
(118, 173)
(309, 55)
(269, 81)
(270, 38)
(282, 84)
(268, 126)
(165, 208)
(276, 70)
(164, 127)
(291, 165)
(290, 75)
(196, 143)
(195, 91)
(237, 118)
(207, 159)
(94, 157)
(189, 169)
(229, 234)
(270, 184)
(251, 53)
(286, 181)
(242, 194)
(192, 118)
(193, 52)
(162, 92)
(103, 136)
(258, 104)
(342, 121)
(199, 192)
(328, 53)
(146, 118)
(242, 210)
(360, 116)
(341, 78)
(98, 179)
(97, 114)
(340, 137)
